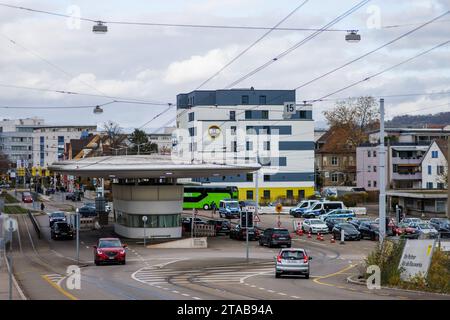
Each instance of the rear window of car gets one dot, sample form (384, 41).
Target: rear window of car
(292, 255)
(283, 231)
(58, 215)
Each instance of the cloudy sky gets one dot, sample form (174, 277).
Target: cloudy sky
(154, 64)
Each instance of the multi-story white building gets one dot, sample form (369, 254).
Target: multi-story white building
(163, 140)
(247, 125)
(16, 139)
(49, 141)
(435, 165)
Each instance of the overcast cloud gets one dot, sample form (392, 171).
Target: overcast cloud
(157, 63)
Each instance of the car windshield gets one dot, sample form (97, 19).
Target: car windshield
(292, 255)
(232, 204)
(58, 215)
(26, 194)
(63, 226)
(109, 244)
(424, 226)
(316, 221)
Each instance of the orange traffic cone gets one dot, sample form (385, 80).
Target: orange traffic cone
(300, 232)
(321, 237)
(332, 240)
(309, 235)
(318, 235)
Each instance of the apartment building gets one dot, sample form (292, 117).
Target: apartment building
(248, 125)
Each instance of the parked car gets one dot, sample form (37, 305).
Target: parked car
(411, 220)
(87, 211)
(425, 230)
(338, 213)
(272, 237)
(322, 208)
(249, 205)
(442, 225)
(61, 230)
(369, 230)
(405, 230)
(292, 261)
(301, 207)
(229, 208)
(56, 217)
(239, 233)
(357, 222)
(74, 196)
(315, 226)
(221, 226)
(109, 250)
(334, 221)
(350, 232)
(26, 197)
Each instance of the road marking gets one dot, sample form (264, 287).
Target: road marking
(59, 288)
(317, 280)
(175, 291)
(282, 294)
(295, 297)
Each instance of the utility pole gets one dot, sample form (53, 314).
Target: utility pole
(382, 177)
(78, 235)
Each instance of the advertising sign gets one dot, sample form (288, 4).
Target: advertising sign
(416, 258)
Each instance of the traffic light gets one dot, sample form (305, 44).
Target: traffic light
(247, 219)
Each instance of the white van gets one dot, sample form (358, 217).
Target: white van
(322, 208)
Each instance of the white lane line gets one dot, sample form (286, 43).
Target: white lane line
(271, 291)
(295, 297)
(282, 294)
(175, 291)
(185, 294)
(196, 298)
(262, 288)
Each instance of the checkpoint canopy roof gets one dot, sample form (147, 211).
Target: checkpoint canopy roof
(147, 166)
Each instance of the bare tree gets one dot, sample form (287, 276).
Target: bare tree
(5, 164)
(114, 133)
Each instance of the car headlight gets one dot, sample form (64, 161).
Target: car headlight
(99, 252)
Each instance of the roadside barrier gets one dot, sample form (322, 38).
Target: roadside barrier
(87, 223)
(204, 230)
(300, 232)
(318, 235)
(35, 224)
(322, 238)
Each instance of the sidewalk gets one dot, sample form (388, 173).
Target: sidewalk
(17, 294)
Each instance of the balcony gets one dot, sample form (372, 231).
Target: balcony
(407, 176)
(400, 160)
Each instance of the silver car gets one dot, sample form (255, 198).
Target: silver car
(292, 261)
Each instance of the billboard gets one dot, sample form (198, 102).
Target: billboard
(416, 258)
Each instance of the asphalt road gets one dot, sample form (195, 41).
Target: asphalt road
(218, 272)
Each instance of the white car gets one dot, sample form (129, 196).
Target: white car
(292, 261)
(315, 226)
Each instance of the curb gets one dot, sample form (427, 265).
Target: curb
(358, 282)
(19, 290)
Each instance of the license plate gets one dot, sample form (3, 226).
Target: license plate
(111, 258)
(281, 238)
(64, 234)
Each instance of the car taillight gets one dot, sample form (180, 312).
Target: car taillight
(274, 236)
(305, 259)
(279, 258)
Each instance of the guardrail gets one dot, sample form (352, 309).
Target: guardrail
(35, 224)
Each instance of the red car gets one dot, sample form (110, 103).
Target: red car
(109, 250)
(27, 198)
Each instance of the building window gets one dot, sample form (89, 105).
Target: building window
(248, 114)
(234, 146)
(302, 114)
(266, 194)
(434, 154)
(266, 145)
(374, 183)
(440, 185)
(334, 177)
(369, 153)
(249, 177)
(266, 177)
(429, 170)
(245, 100)
(233, 115)
(301, 194)
(290, 194)
(369, 184)
(249, 145)
(440, 170)
(191, 116)
(429, 185)
(265, 114)
(334, 161)
(233, 130)
(262, 99)
(374, 153)
(369, 168)
(249, 194)
(374, 168)
(394, 168)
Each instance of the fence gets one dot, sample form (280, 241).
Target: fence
(201, 230)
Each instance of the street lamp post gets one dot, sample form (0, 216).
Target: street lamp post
(78, 234)
(144, 219)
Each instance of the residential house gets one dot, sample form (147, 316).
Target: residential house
(435, 165)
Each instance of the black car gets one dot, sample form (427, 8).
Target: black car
(87, 211)
(272, 237)
(331, 222)
(350, 232)
(61, 230)
(357, 222)
(74, 196)
(369, 230)
(442, 225)
(239, 233)
(221, 226)
(56, 217)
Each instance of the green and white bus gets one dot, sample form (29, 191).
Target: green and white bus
(202, 197)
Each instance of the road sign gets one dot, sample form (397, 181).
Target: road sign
(144, 218)
(256, 218)
(289, 109)
(279, 207)
(10, 225)
(416, 258)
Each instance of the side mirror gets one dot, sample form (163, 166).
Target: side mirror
(125, 245)
(95, 247)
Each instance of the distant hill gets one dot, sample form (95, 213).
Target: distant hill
(419, 121)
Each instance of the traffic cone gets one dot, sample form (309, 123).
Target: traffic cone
(318, 235)
(332, 240)
(300, 232)
(309, 235)
(321, 237)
